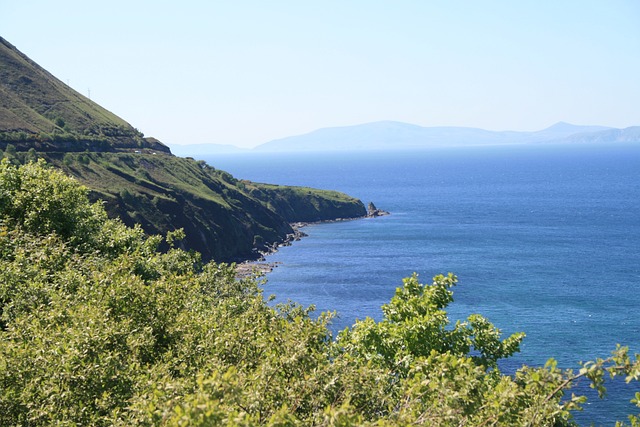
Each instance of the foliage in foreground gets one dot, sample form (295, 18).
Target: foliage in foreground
(99, 328)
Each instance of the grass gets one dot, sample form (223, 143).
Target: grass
(38, 109)
(222, 216)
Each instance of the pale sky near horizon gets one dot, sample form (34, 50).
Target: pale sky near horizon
(246, 72)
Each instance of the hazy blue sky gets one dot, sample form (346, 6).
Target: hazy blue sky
(245, 72)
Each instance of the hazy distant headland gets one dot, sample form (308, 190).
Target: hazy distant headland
(391, 135)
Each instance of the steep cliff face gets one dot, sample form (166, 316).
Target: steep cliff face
(302, 204)
(139, 179)
(225, 219)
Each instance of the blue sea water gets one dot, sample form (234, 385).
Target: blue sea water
(544, 239)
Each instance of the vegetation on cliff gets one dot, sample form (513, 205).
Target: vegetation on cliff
(223, 218)
(139, 180)
(99, 328)
(41, 112)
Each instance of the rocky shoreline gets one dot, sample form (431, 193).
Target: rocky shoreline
(260, 267)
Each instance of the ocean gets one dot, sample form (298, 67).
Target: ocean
(544, 239)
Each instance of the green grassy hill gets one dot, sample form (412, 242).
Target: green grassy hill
(224, 218)
(38, 110)
(139, 179)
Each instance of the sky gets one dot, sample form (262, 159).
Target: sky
(245, 72)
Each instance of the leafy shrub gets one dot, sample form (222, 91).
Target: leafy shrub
(99, 328)
(45, 201)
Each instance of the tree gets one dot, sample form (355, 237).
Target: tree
(45, 201)
(415, 324)
(31, 156)
(11, 154)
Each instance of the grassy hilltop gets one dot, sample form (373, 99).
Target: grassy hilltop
(139, 179)
(41, 112)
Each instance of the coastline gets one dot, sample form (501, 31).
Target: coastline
(260, 267)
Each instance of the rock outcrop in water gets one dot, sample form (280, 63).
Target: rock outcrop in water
(373, 211)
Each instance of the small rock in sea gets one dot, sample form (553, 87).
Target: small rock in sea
(373, 211)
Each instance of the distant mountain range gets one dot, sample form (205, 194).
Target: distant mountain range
(390, 135)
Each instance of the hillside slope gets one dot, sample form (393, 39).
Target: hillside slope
(224, 218)
(139, 179)
(38, 110)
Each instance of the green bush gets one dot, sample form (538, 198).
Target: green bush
(99, 328)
